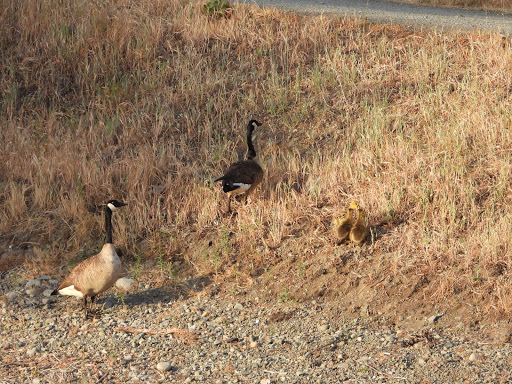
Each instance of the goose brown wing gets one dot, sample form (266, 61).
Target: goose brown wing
(74, 277)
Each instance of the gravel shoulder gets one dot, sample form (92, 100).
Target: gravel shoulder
(193, 333)
(409, 15)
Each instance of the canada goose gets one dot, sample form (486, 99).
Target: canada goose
(243, 176)
(97, 273)
(359, 231)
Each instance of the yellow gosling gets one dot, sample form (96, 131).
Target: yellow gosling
(359, 232)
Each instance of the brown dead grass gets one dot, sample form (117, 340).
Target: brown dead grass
(146, 102)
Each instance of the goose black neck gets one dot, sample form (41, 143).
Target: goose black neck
(108, 225)
(251, 154)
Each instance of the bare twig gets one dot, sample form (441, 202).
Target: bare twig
(101, 378)
(322, 347)
(149, 331)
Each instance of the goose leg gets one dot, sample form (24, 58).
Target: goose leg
(229, 204)
(94, 312)
(86, 314)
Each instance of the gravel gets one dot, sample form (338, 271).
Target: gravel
(153, 335)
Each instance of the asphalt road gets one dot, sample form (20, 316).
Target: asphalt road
(397, 13)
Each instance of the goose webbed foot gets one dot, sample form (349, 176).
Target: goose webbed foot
(92, 314)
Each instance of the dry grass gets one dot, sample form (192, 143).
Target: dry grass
(490, 5)
(146, 102)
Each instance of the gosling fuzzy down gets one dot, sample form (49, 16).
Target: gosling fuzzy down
(243, 176)
(341, 226)
(97, 273)
(359, 232)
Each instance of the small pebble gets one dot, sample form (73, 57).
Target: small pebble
(11, 295)
(32, 351)
(323, 327)
(164, 366)
(475, 357)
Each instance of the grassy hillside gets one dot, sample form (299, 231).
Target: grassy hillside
(147, 102)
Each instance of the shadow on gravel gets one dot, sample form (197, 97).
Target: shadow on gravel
(165, 294)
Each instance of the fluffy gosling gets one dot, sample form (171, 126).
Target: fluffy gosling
(359, 232)
(341, 226)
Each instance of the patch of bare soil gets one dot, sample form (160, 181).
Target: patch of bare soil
(358, 281)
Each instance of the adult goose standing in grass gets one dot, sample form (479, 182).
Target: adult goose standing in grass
(243, 176)
(97, 273)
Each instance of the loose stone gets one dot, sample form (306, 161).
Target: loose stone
(164, 366)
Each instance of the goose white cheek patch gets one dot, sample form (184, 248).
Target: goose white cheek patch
(111, 206)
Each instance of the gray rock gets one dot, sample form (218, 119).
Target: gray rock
(164, 366)
(124, 283)
(31, 292)
(47, 292)
(47, 300)
(33, 283)
(11, 295)
(44, 277)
